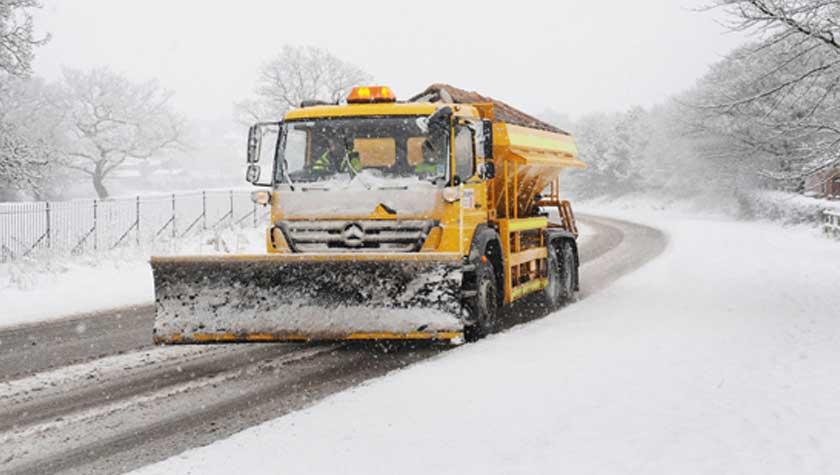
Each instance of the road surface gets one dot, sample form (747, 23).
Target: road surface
(90, 394)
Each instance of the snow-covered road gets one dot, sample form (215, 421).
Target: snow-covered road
(119, 412)
(721, 356)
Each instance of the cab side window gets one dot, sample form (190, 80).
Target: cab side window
(464, 153)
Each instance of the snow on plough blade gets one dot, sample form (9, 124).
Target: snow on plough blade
(290, 298)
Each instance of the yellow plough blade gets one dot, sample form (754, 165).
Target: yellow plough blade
(284, 298)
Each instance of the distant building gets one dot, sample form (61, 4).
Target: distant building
(824, 184)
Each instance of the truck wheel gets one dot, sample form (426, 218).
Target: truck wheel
(553, 292)
(484, 308)
(561, 276)
(568, 272)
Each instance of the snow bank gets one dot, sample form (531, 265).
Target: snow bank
(788, 208)
(712, 206)
(781, 207)
(721, 356)
(63, 288)
(33, 290)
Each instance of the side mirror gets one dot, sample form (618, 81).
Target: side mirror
(487, 133)
(488, 170)
(253, 174)
(254, 142)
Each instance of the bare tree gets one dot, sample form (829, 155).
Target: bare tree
(22, 161)
(17, 36)
(614, 147)
(29, 124)
(111, 119)
(297, 74)
(817, 20)
(778, 99)
(24, 151)
(766, 115)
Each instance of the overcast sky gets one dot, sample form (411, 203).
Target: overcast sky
(570, 56)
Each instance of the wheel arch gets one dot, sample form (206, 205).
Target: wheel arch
(486, 242)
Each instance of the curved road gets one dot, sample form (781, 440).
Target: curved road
(90, 394)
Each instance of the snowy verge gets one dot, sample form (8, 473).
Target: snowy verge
(633, 204)
(34, 290)
(720, 356)
(759, 205)
(789, 208)
(71, 288)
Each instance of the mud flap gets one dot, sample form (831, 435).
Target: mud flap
(264, 298)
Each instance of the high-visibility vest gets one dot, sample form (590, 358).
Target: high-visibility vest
(425, 168)
(322, 164)
(354, 162)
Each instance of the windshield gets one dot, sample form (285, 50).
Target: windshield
(324, 149)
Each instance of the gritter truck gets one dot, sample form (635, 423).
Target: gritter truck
(389, 220)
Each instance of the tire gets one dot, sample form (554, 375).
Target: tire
(484, 306)
(553, 292)
(561, 276)
(568, 273)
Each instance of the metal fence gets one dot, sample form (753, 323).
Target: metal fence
(831, 223)
(85, 226)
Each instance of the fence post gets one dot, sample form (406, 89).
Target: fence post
(137, 221)
(204, 211)
(95, 232)
(231, 209)
(174, 234)
(49, 234)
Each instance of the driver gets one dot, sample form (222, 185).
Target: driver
(334, 159)
(329, 161)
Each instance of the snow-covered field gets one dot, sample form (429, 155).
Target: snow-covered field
(38, 290)
(73, 287)
(721, 356)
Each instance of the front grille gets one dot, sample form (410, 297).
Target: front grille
(357, 236)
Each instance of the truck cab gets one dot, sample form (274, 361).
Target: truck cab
(371, 177)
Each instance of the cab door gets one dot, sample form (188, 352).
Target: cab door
(473, 189)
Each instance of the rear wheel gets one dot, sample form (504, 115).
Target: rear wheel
(484, 305)
(561, 275)
(568, 273)
(553, 292)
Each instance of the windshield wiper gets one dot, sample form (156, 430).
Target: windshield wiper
(286, 175)
(354, 174)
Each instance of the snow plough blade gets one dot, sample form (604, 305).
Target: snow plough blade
(306, 298)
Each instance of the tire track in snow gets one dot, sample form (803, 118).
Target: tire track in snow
(142, 432)
(143, 395)
(91, 387)
(619, 248)
(29, 348)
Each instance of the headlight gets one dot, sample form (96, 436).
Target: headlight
(451, 194)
